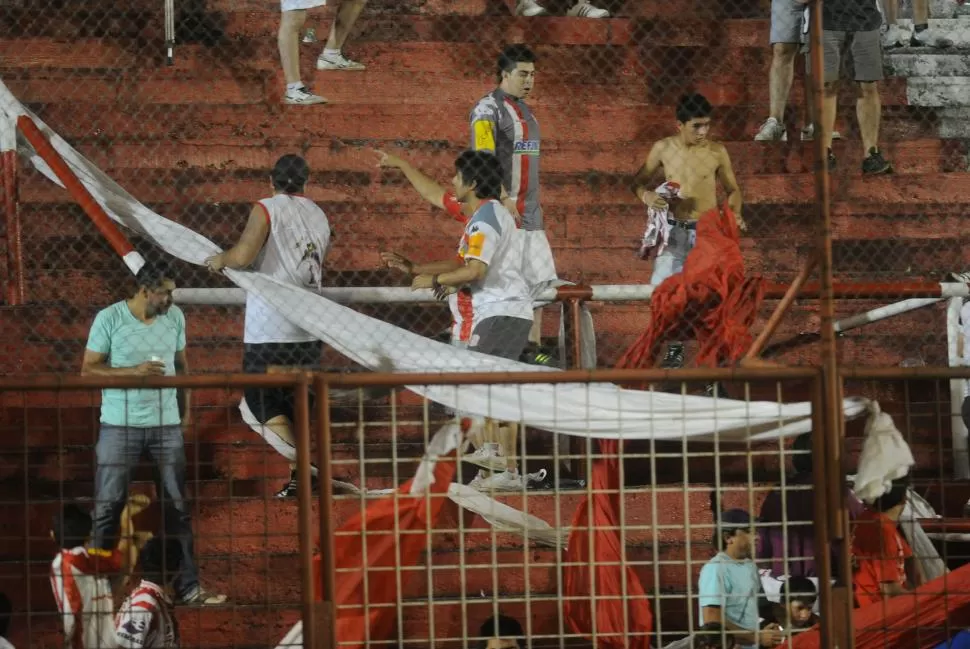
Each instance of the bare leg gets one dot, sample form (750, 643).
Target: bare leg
(342, 25)
(288, 39)
(829, 105)
(509, 439)
(780, 77)
(891, 7)
(921, 12)
(280, 436)
(869, 112)
(810, 117)
(535, 334)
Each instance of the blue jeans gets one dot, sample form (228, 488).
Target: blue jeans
(959, 641)
(671, 260)
(118, 451)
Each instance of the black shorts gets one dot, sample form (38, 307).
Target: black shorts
(267, 403)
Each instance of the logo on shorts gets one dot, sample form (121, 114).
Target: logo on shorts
(526, 147)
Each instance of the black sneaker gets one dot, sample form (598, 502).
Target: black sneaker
(715, 389)
(875, 164)
(674, 358)
(537, 355)
(289, 489)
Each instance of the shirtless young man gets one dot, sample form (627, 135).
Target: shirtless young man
(697, 164)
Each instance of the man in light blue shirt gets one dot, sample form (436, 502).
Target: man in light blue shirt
(143, 336)
(729, 586)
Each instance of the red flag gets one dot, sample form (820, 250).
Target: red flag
(396, 535)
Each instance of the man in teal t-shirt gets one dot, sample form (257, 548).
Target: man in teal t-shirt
(729, 587)
(143, 336)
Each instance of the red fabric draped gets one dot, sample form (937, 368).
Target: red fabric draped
(914, 621)
(382, 519)
(594, 573)
(711, 301)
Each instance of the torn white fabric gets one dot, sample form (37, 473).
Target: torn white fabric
(885, 457)
(504, 518)
(923, 548)
(657, 233)
(445, 440)
(580, 409)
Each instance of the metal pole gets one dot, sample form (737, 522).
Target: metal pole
(301, 418)
(838, 602)
(8, 176)
(781, 309)
(327, 611)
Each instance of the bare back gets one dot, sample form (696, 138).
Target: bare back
(695, 169)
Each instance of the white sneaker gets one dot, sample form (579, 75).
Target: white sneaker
(586, 10)
(929, 38)
(771, 131)
(338, 62)
(538, 476)
(488, 456)
(808, 134)
(893, 37)
(529, 8)
(302, 97)
(505, 481)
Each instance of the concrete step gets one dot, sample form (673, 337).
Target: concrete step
(441, 125)
(939, 92)
(592, 160)
(934, 63)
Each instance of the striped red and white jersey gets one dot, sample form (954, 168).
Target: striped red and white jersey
(81, 583)
(506, 126)
(146, 620)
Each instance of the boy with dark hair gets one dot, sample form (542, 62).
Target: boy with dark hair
(798, 596)
(286, 237)
(146, 619)
(693, 165)
(883, 560)
(492, 302)
(85, 581)
(501, 632)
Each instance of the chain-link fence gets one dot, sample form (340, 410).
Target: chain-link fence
(197, 141)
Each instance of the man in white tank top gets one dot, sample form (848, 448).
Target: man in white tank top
(287, 237)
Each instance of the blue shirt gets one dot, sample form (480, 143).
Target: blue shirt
(129, 342)
(733, 586)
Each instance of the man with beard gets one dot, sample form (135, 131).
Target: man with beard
(143, 336)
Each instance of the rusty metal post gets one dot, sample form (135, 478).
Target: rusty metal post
(779, 313)
(839, 601)
(326, 611)
(301, 429)
(820, 472)
(577, 446)
(14, 293)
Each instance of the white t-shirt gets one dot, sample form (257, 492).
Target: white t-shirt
(82, 590)
(145, 619)
(492, 237)
(965, 330)
(295, 252)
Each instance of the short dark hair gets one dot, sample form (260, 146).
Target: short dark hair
(502, 626)
(800, 589)
(153, 274)
(160, 560)
(802, 460)
(5, 610)
(693, 106)
(71, 527)
(511, 56)
(290, 174)
(482, 169)
(895, 496)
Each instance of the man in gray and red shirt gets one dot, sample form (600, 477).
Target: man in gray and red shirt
(503, 124)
